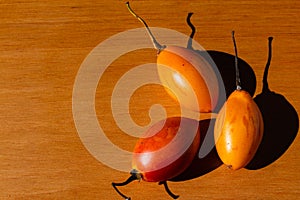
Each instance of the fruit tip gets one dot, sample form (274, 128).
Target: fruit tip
(229, 166)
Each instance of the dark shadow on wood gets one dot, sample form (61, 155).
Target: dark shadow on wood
(201, 166)
(281, 123)
(225, 66)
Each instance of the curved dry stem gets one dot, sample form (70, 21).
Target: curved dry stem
(129, 180)
(168, 189)
(237, 72)
(157, 46)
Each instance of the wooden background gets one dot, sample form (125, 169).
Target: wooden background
(42, 45)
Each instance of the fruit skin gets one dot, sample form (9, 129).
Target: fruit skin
(238, 130)
(187, 73)
(202, 165)
(168, 151)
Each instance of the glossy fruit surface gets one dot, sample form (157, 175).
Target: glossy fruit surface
(238, 130)
(166, 149)
(190, 77)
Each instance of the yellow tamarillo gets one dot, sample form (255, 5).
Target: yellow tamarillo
(239, 126)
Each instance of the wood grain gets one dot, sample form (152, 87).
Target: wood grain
(43, 44)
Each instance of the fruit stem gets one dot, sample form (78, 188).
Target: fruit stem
(188, 20)
(265, 78)
(237, 72)
(157, 46)
(168, 189)
(135, 175)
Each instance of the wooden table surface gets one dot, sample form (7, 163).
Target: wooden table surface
(43, 44)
